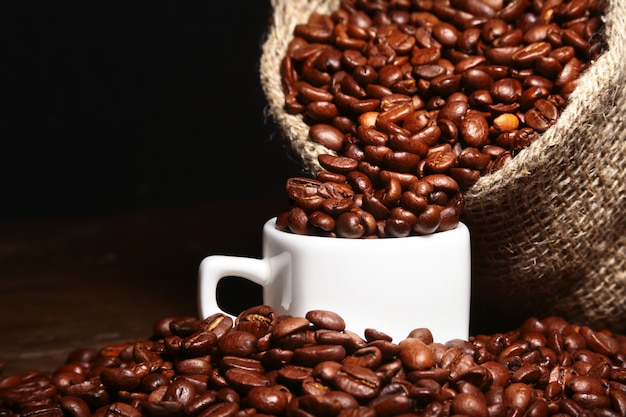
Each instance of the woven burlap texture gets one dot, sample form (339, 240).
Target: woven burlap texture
(549, 229)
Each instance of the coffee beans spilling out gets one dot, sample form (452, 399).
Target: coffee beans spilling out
(417, 99)
(261, 364)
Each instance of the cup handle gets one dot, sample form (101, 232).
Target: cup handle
(215, 267)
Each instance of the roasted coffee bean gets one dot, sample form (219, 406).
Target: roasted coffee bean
(338, 164)
(293, 375)
(543, 115)
(181, 390)
(324, 319)
(217, 323)
(361, 383)
(269, 400)
(349, 225)
(198, 344)
(289, 325)
(257, 320)
(183, 327)
(74, 406)
(312, 355)
(468, 404)
(298, 221)
(327, 176)
(371, 136)
(429, 220)
(415, 354)
(317, 405)
(120, 379)
(327, 135)
(322, 221)
(249, 364)
(326, 371)
(242, 380)
(370, 357)
(118, 409)
(238, 342)
(474, 130)
(193, 366)
(221, 409)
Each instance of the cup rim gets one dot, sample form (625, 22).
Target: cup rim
(458, 232)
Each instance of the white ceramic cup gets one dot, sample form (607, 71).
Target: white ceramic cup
(392, 285)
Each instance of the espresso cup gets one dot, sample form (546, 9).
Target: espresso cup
(391, 285)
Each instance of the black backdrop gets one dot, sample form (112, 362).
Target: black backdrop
(116, 106)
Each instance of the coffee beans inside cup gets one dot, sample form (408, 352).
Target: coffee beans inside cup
(415, 100)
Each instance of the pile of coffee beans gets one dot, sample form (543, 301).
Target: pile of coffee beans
(261, 364)
(417, 99)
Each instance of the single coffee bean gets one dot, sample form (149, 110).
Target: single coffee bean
(121, 379)
(74, 406)
(361, 383)
(192, 366)
(543, 115)
(322, 221)
(237, 342)
(242, 380)
(312, 355)
(474, 130)
(349, 226)
(327, 135)
(370, 357)
(337, 164)
(415, 354)
(217, 323)
(324, 319)
(269, 400)
(289, 326)
(198, 344)
(468, 404)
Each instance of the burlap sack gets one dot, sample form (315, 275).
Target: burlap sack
(549, 229)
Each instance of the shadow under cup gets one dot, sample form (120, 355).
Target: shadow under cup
(392, 285)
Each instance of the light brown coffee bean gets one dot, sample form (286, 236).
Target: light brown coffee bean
(321, 111)
(327, 135)
(415, 354)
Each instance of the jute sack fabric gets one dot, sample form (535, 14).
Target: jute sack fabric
(549, 229)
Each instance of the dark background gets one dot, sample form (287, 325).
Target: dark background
(108, 107)
(133, 143)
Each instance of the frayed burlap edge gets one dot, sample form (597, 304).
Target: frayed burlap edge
(548, 230)
(286, 14)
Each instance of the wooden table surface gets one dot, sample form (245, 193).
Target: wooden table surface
(96, 280)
